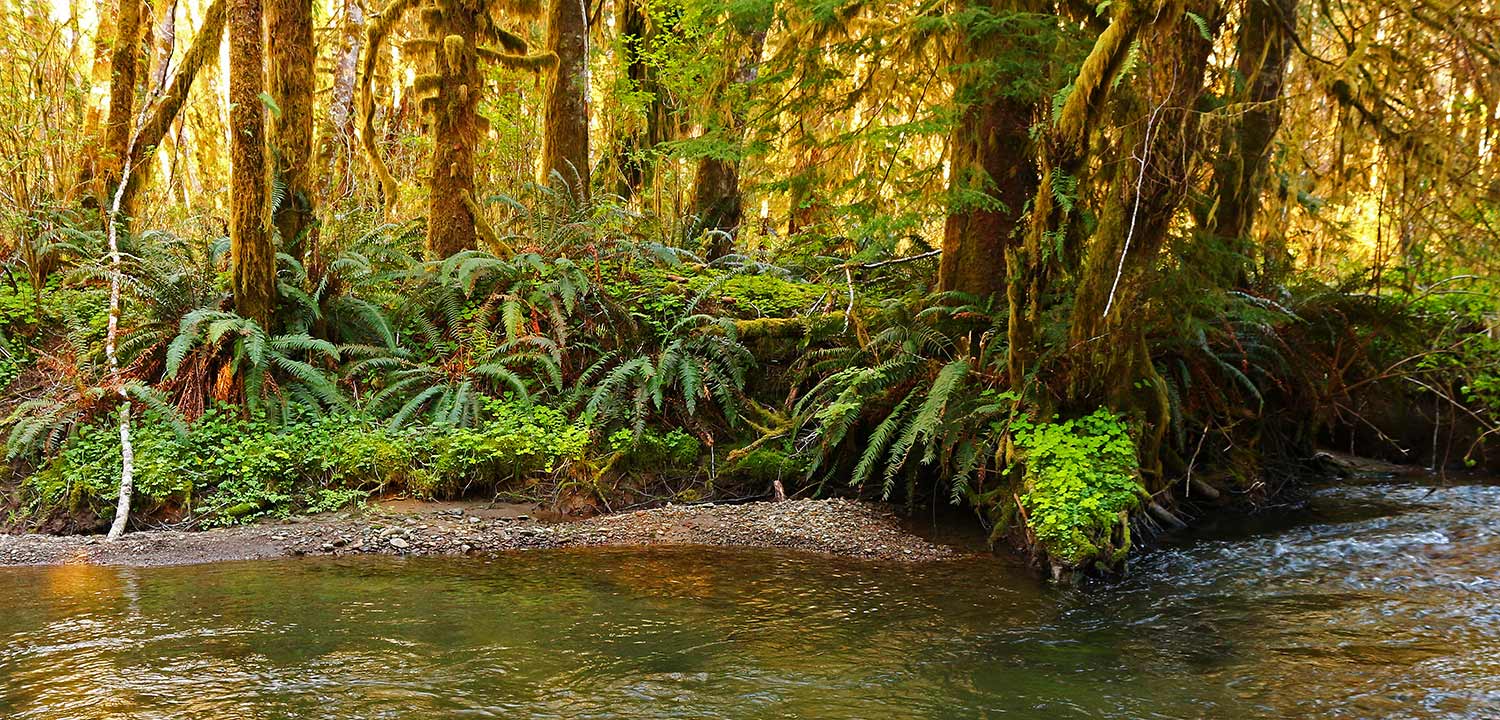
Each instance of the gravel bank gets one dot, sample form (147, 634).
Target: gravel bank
(838, 527)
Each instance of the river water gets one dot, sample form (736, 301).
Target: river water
(1377, 601)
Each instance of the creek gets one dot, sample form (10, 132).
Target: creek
(1379, 599)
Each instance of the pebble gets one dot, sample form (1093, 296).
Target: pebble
(399, 544)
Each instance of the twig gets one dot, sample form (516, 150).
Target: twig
(894, 261)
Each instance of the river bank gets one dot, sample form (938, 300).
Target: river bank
(833, 526)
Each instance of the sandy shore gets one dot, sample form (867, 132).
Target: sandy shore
(839, 527)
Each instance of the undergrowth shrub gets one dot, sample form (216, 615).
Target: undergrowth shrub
(228, 469)
(1080, 480)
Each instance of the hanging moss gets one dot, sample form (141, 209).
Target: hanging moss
(448, 92)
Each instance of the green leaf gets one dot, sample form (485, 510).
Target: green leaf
(270, 103)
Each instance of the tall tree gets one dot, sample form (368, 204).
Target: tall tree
(289, 23)
(991, 173)
(1264, 46)
(338, 131)
(565, 137)
(640, 34)
(717, 197)
(458, 34)
(252, 256)
(1063, 153)
(122, 88)
(159, 119)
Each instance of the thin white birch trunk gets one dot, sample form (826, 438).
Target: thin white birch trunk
(112, 330)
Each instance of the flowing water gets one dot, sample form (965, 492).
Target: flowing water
(1379, 600)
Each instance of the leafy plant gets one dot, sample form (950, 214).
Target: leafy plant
(271, 371)
(1080, 482)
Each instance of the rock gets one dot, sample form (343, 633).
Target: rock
(474, 520)
(399, 544)
(328, 547)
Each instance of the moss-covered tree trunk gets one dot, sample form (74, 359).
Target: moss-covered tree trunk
(122, 88)
(289, 24)
(565, 137)
(717, 198)
(1264, 45)
(1032, 265)
(455, 132)
(1115, 163)
(991, 171)
(91, 165)
(164, 41)
(1110, 365)
(153, 130)
(630, 23)
(252, 257)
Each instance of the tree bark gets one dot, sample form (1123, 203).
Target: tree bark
(205, 47)
(289, 24)
(1265, 45)
(252, 257)
(92, 165)
(122, 87)
(991, 174)
(565, 141)
(1144, 195)
(164, 40)
(455, 132)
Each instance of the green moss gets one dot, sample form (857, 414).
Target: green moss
(766, 464)
(654, 451)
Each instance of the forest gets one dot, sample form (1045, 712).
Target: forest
(1088, 272)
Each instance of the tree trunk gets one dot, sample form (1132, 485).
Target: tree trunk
(565, 142)
(717, 199)
(164, 36)
(92, 165)
(290, 77)
(1160, 119)
(631, 23)
(205, 47)
(991, 174)
(122, 87)
(1031, 265)
(252, 257)
(336, 144)
(1265, 44)
(455, 131)
(337, 136)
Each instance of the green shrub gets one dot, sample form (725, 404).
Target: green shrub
(516, 440)
(1080, 476)
(654, 450)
